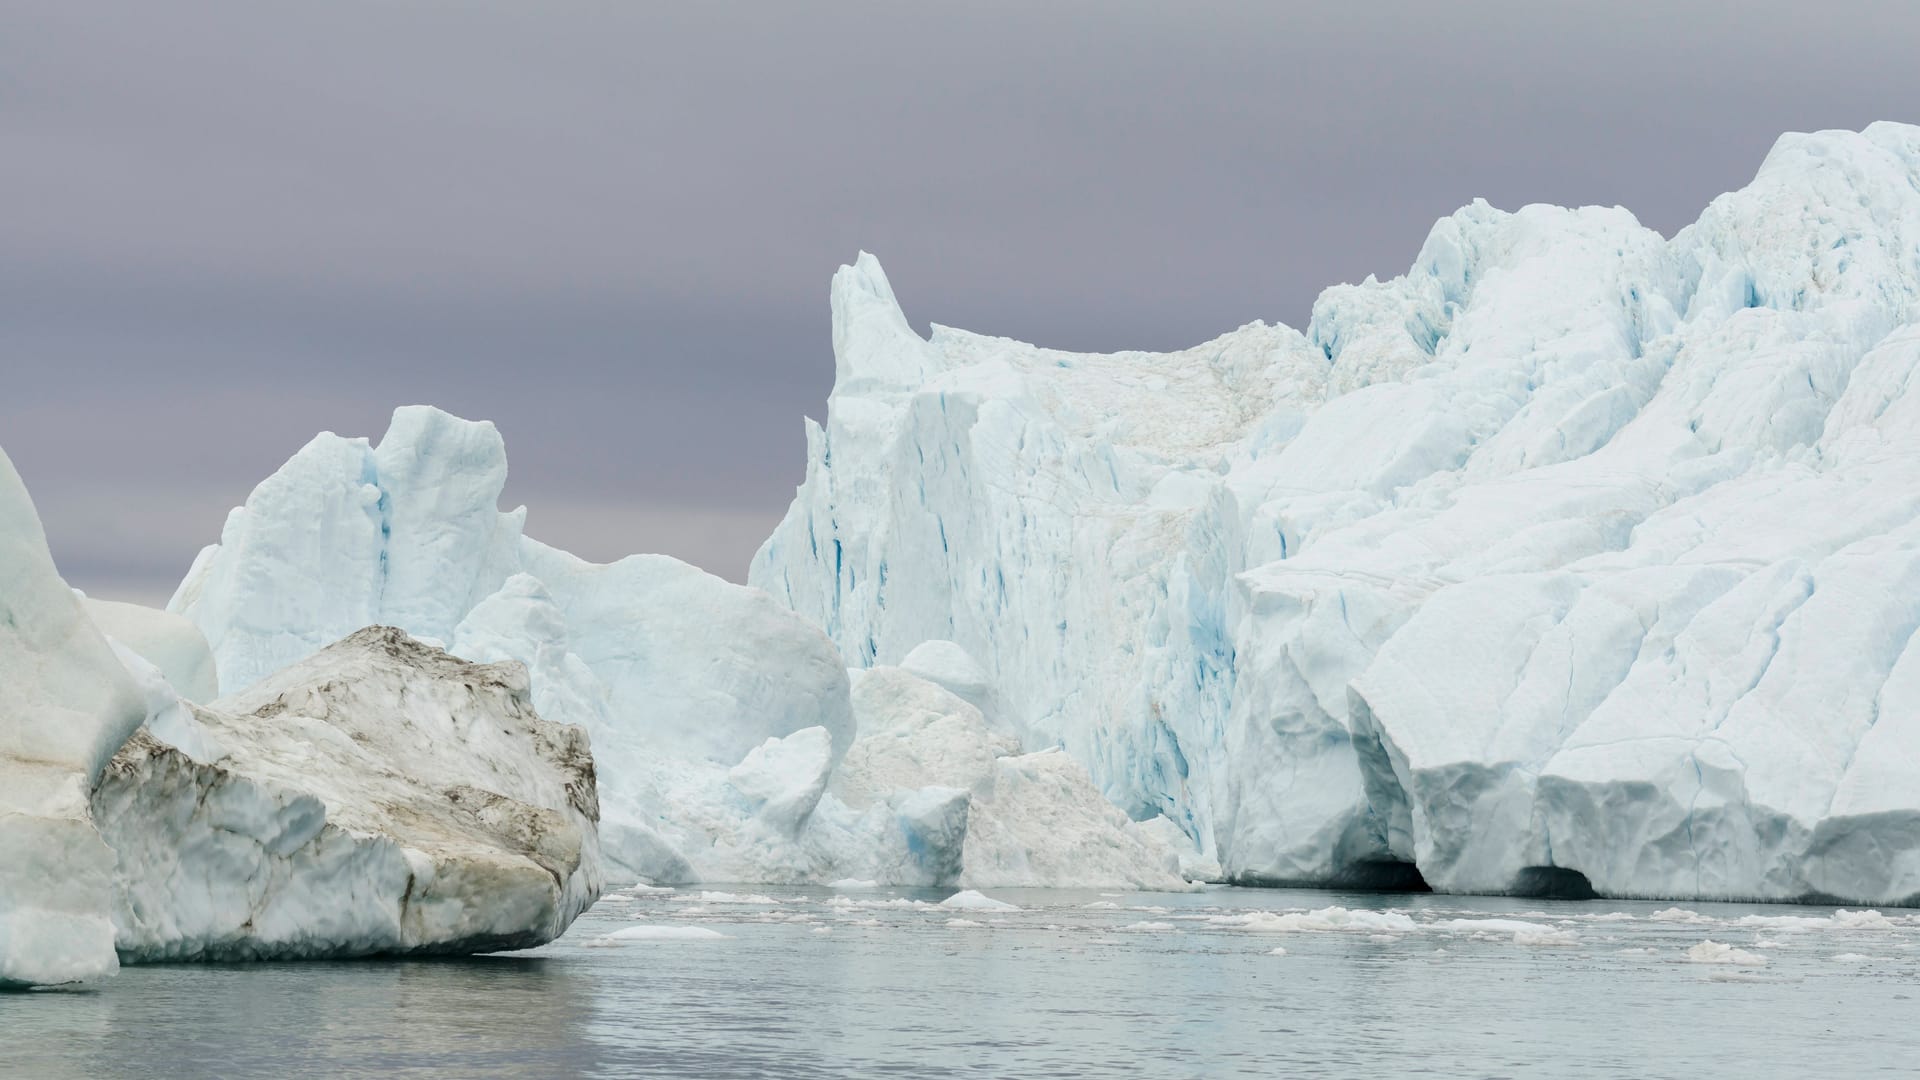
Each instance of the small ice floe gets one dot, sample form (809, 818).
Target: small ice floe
(822, 930)
(853, 883)
(1322, 920)
(1102, 905)
(1680, 915)
(665, 933)
(1841, 919)
(1713, 952)
(643, 889)
(1148, 926)
(710, 897)
(1545, 937)
(972, 900)
(1277, 950)
(892, 902)
(1861, 920)
(1484, 926)
(1850, 958)
(963, 923)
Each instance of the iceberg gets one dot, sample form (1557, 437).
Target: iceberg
(380, 796)
(68, 706)
(1577, 559)
(728, 741)
(655, 659)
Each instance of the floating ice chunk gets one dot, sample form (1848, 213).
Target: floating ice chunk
(1680, 915)
(1714, 952)
(665, 933)
(378, 797)
(1841, 919)
(1148, 925)
(1277, 950)
(1862, 920)
(852, 884)
(1322, 920)
(1545, 936)
(754, 899)
(972, 900)
(1490, 926)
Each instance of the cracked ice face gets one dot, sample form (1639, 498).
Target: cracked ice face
(1574, 551)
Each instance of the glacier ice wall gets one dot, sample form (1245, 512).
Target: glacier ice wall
(1576, 552)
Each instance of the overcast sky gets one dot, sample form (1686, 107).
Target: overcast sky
(609, 227)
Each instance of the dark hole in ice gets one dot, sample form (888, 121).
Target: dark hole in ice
(1554, 883)
(1382, 876)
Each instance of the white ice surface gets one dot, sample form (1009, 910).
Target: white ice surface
(68, 705)
(1577, 552)
(173, 645)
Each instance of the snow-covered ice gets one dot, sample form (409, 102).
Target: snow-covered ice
(1575, 559)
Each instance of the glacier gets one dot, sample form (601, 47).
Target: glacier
(1577, 559)
(721, 722)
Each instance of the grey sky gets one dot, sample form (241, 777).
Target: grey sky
(609, 226)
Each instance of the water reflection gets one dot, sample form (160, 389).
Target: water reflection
(480, 1016)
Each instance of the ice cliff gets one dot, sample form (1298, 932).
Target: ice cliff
(1576, 557)
(719, 719)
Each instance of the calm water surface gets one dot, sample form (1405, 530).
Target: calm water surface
(810, 983)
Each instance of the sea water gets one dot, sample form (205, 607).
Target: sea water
(889, 983)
